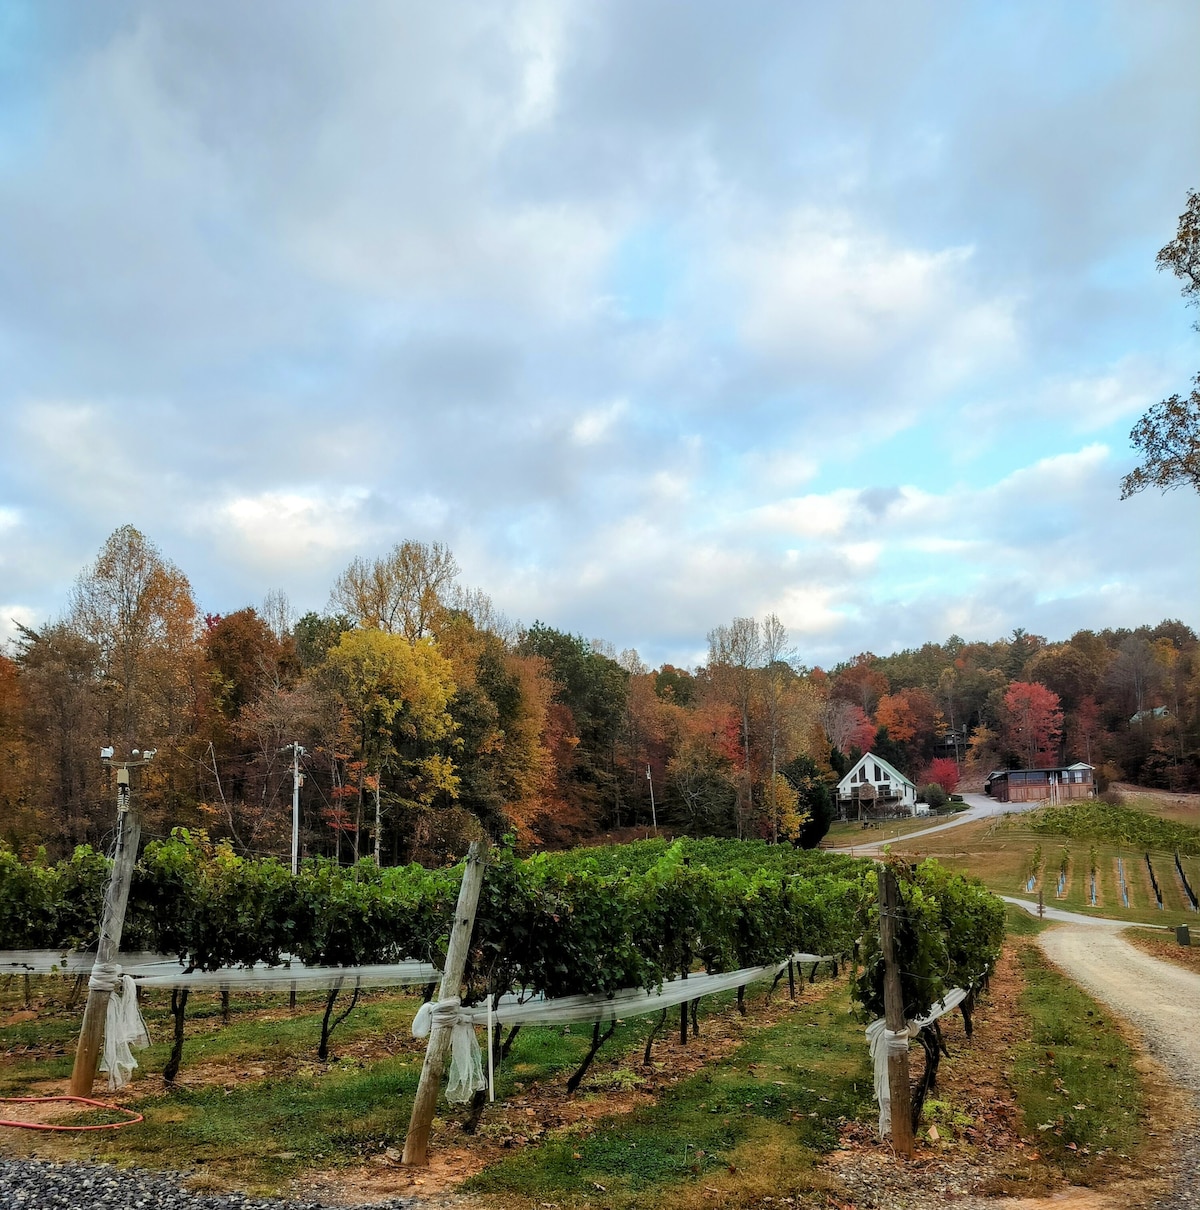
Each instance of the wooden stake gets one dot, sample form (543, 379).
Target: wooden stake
(112, 922)
(416, 1143)
(893, 1014)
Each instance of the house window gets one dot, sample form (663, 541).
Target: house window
(878, 773)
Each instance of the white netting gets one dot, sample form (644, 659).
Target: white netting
(123, 1029)
(163, 970)
(884, 1042)
(62, 962)
(265, 978)
(466, 1065)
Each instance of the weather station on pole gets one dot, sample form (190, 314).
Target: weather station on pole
(105, 971)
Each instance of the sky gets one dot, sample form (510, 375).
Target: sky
(655, 312)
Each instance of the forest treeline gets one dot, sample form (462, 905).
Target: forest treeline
(427, 718)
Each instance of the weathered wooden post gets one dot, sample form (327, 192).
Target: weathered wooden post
(416, 1142)
(893, 1015)
(112, 922)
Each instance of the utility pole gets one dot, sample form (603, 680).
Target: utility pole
(297, 782)
(653, 813)
(112, 922)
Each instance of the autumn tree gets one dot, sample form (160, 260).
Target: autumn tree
(1032, 723)
(860, 682)
(403, 592)
(777, 673)
(64, 721)
(812, 786)
(395, 696)
(702, 771)
(1168, 439)
(734, 653)
(943, 771)
(1168, 435)
(911, 718)
(587, 713)
(137, 609)
(19, 817)
(499, 707)
(847, 726)
(255, 706)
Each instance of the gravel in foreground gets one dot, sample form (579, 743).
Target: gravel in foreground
(39, 1185)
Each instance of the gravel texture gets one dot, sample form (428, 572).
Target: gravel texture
(38, 1185)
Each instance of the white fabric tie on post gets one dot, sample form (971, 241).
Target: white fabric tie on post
(466, 1076)
(123, 1024)
(884, 1042)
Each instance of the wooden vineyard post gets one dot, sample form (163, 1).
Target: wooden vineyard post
(416, 1142)
(112, 922)
(893, 1014)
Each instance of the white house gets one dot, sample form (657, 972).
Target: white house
(888, 787)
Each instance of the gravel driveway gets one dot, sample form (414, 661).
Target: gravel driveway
(1160, 1001)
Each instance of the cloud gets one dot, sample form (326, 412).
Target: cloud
(657, 317)
(823, 291)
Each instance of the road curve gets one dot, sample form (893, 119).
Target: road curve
(979, 806)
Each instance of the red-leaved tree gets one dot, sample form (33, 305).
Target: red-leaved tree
(847, 726)
(1033, 723)
(943, 772)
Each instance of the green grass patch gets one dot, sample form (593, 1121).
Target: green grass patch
(1076, 1081)
(782, 1093)
(265, 1131)
(1019, 923)
(846, 833)
(261, 1030)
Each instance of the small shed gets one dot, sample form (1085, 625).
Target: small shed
(874, 784)
(1041, 785)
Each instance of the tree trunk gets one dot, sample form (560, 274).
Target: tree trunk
(179, 999)
(598, 1040)
(662, 1020)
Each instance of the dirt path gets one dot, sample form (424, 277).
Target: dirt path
(1158, 999)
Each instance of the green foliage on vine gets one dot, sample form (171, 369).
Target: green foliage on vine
(1114, 824)
(588, 921)
(948, 934)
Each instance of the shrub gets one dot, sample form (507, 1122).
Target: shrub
(934, 795)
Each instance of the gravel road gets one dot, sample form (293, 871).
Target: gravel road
(1158, 999)
(37, 1185)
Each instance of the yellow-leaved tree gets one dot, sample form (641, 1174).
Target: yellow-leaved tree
(394, 696)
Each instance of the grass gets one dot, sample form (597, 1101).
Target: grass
(254, 1108)
(261, 1029)
(1019, 923)
(752, 1125)
(851, 832)
(1075, 1078)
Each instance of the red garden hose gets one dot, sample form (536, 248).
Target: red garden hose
(131, 1116)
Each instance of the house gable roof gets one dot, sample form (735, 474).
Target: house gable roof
(890, 769)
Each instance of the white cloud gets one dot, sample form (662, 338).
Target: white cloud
(598, 424)
(280, 528)
(10, 616)
(824, 291)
